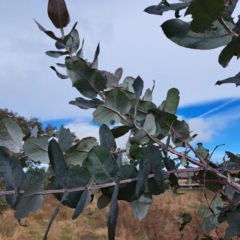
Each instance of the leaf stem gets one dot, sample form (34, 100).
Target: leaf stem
(229, 30)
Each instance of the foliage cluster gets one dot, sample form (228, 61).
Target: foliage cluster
(76, 169)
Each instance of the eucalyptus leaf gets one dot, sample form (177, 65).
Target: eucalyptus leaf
(88, 81)
(147, 95)
(76, 41)
(211, 216)
(202, 151)
(64, 197)
(155, 159)
(52, 35)
(11, 135)
(79, 152)
(159, 11)
(118, 73)
(232, 49)
(58, 13)
(101, 163)
(117, 103)
(140, 206)
(127, 84)
(58, 162)
(138, 87)
(31, 200)
(204, 13)
(172, 101)
(179, 32)
(113, 214)
(60, 75)
(85, 199)
(37, 149)
(56, 54)
(64, 139)
(106, 138)
(119, 131)
(142, 176)
(11, 169)
(233, 222)
(80, 52)
(103, 201)
(60, 45)
(149, 125)
(86, 104)
(94, 63)
(186, 218)
(112, 81)
(61, 65)
(78, 177)
(235, 79)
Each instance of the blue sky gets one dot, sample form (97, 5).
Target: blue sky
(129, 38)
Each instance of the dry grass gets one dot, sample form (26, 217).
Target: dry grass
(161, 221)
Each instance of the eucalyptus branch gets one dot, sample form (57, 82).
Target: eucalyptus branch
(98, 186)
(63, 35)
(227, 28)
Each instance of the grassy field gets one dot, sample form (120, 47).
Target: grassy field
(162, 221)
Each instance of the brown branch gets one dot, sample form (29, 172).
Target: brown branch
(105, 185)
(229, 30)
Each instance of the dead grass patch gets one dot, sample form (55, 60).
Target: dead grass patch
(161, 222)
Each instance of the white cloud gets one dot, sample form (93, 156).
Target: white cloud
(206, 128)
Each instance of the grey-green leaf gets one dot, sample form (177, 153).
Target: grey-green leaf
(235, 79)
(232, 49)
(60, 75)
(186, 218)
(178, 31)
(138, 87)
(94, 63)
(11, 169)
(83, 202)
(56, 54)
(88, 81)
(113, 214)
(106, 138)
(80, 52)
(140, 206)
(117, 103)
(64, 138)
(58, 162)
(112, 80)
(119, 131)
(101, 163)
(76, 41)
(30, 201)
(11, 135)
(149, 125)
(78, 153)
(118, 73)
(103, 201)
(86, 104)
(160, 10)
(211, 217)
(37, 149)
(172, 101)
(142, 176)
